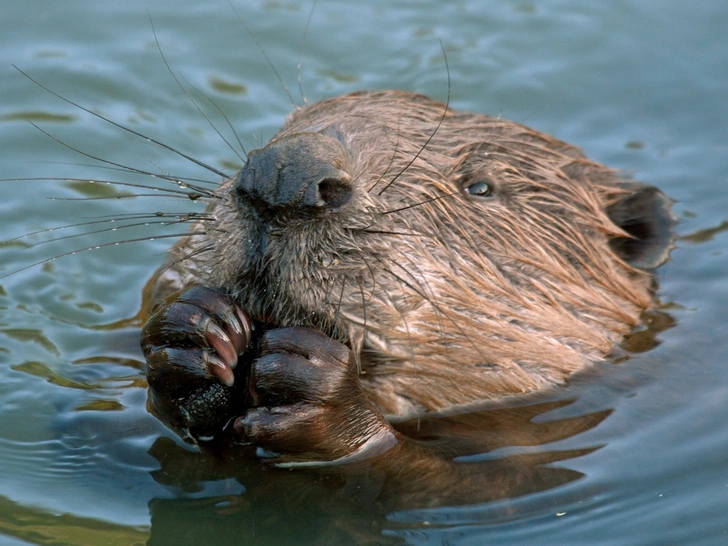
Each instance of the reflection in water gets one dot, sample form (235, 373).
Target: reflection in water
(470, 459)
(39, 527)
(355, 503)
(477, 467)
(474, 466)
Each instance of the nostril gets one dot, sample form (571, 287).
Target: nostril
(334, 192)
(304, 172)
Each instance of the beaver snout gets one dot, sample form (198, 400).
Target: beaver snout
(304, 172)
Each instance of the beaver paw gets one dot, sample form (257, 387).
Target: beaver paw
(309, 405)
(192, 344)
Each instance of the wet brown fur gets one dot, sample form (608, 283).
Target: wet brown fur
(444, 298)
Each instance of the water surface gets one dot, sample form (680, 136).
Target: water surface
(639, 85)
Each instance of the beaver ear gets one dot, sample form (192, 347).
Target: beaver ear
(645, 214)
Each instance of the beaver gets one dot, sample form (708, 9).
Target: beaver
(384, 256)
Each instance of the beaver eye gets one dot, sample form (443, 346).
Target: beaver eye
(479, 189)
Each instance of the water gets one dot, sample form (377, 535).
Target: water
(629, 454)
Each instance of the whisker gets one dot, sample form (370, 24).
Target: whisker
(433, 304)
(424, 283)
(300, 49)
(191, 196)
(227, 120)
(409, 339)
(265, 55)
(187, 256)
(391, 160)
(172, 192)
(194, 103)
(156, 214)
(325, 323)
(124, 167)
(338, 305)
(384, 232)
(122, 127)
(357, 359)
(437, 198)
(107, 167)
(96, 247)
(439, 124)
(108, 230)
(108, 220)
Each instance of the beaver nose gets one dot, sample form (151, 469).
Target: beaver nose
(303, 171)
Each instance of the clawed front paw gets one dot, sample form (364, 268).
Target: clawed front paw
(192, 345)
(299, 401)
(309, 405)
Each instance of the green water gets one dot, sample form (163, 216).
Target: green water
(639, 85)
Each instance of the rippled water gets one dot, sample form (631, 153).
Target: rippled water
(629, 454)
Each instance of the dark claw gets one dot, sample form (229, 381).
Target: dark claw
(223, 371)
(223, 345)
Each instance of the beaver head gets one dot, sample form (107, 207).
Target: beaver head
(461, 257)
